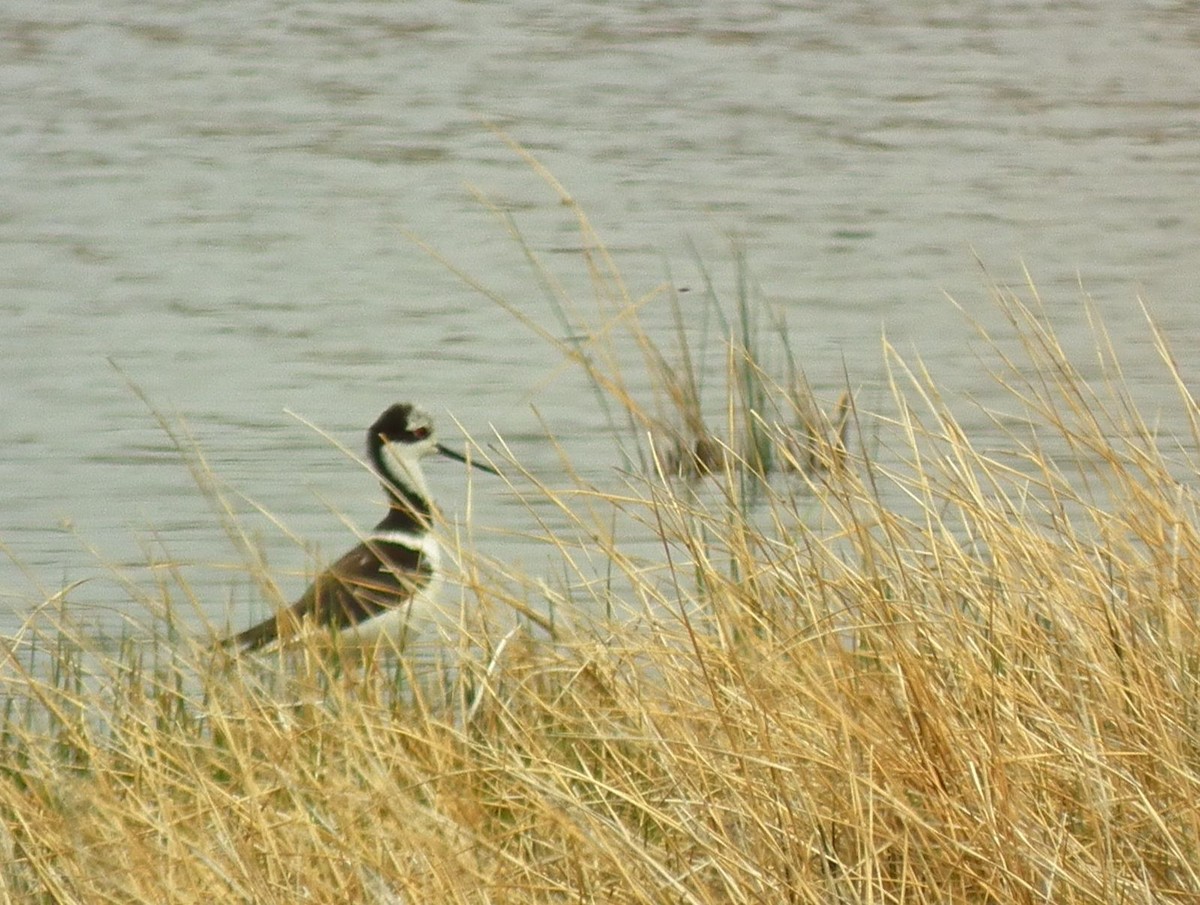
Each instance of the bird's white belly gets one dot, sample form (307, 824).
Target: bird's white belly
(400, 624)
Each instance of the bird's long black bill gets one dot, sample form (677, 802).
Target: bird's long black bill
(451, 454)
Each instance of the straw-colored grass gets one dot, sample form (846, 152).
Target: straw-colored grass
(927, 674)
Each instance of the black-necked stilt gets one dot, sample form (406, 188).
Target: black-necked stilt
(393, 575)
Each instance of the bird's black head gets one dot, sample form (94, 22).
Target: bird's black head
(403, 424)
(407, 430)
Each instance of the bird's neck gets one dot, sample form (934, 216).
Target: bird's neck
(409, 505)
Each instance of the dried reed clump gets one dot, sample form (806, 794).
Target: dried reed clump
(923, 667)
(943, 677)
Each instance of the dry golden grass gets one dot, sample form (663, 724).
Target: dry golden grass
(875, 662)
(952, 679)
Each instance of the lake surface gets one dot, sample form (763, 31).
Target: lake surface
(228, 202)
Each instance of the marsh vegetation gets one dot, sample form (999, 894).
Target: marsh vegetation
(876, 661)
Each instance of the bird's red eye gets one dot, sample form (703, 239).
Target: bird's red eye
(420, 433)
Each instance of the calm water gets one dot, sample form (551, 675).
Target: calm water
(222, 200)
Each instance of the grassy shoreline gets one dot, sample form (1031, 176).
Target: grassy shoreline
(988, 693)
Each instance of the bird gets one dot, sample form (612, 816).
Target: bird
(378, 588)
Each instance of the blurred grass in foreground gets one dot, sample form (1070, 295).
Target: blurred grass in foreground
(956, 677)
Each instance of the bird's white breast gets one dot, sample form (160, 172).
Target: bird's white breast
(401, 623)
